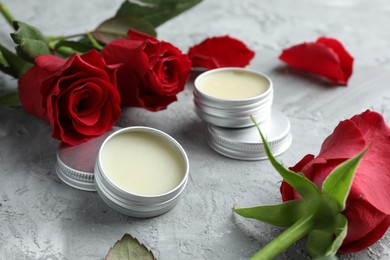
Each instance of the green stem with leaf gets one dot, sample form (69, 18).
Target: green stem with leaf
(291, 235)
(318, 214)
(6, 14)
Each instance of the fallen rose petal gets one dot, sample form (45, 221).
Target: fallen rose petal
(346, 60)
(326, 57)
(222, 51)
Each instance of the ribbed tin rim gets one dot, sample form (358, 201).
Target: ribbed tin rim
(133, 204)
(74, 178)
(227, 141)
(127, 206)
(234, 122)
(234, 111)
(72, 175)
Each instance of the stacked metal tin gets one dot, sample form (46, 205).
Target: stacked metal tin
(230, 130)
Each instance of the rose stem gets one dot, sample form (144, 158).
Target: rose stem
(6, 14)
(65, 51)
(286, 239)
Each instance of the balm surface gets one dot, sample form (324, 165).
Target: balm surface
(232, 84)
(142, 163)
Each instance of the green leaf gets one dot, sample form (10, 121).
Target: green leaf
(339, 181)
(340, 233)
(319, 240)
(4, 66)
(6, 14)
(117, 27)
(16, 65)
(292, 234)
(283, 215)
(156, 11)
(10, 99)
(327, 257)
(129, 248)
(73, 46)
(30, 41)
(94, 42)
(299, 182)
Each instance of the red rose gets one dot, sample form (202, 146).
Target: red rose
(78, 96)
(222, 51)
(153, 71)
(368, 204)
(326, 57)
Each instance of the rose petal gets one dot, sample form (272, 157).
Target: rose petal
(30, 92)
(139, 36)
(84, 102)
(130, 74)
(30, 89)
(346, 60)
(345, 142)
(365, 227)
(222, 51)
(373, 175)
(199, 60)
(326, 57)
(49, 63)
(369, 239)
(156, 103)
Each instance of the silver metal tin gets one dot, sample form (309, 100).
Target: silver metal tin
(246, 144)
(75, 164)
(134, 204)
(232, 113)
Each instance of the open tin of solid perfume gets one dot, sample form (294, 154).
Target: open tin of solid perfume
(138, 171)
(225, 98)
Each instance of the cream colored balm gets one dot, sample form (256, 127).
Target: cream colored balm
(233, 84)
(142, 163)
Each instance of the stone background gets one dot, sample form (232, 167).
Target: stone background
(42, 218)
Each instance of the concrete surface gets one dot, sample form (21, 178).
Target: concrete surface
(42, 218)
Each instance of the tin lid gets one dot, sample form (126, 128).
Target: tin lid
(245, 143)
(76, 164)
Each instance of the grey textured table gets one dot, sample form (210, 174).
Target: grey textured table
(42, 218)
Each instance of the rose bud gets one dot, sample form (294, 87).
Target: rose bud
(153, 71)
(326, 57)
(78, 96)
(222, 51)
(368, 204)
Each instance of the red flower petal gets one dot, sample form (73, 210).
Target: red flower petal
(139, 36)
(345, 142)
(369, 239)
(365, 227)
(346, 60)
(222, 51)
(325, 57)
(30, 92)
